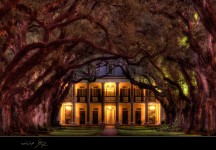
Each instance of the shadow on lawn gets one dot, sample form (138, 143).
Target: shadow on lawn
(149, 131)
(73, 131)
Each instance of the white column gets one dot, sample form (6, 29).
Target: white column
(102, 106)
(88, 104)
(74, 105)
(146, 107)
(117, 105)
(132, 104)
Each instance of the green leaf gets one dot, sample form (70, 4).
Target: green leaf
(196, 16)
(183, 42)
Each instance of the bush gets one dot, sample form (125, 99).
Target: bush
(163, 122)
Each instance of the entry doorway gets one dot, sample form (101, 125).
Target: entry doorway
(110, 115)
(95, 116)
(138, 116)
(82, 116)
(124, 116)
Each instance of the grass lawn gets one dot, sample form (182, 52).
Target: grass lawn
(74, 131)
(122, 131)
(147, 131)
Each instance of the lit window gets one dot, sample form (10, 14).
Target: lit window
(110, 90)
(152, 107)
(152, 114)
(68, 114)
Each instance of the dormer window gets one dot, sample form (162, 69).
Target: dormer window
(110, 69)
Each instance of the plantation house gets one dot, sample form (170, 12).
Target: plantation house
(111, 100)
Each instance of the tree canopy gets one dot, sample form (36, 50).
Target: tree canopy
(165, 46)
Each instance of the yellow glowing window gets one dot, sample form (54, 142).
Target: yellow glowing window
(152, 114)
(152, 107)
(68, 113)
(110, 90)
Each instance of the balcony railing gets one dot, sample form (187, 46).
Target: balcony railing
(81, 99)
(139, 99)
(124, 99)
(110, 99)
(95, 99)
(152, 99)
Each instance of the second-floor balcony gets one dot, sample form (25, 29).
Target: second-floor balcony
(96, 99)
(139, 99)
(152, 99)
(81, 99)
(124, 99)
(110, 99)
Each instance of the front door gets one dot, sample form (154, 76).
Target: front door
(110, 115)
(125, 116)
(95, 116)
(138, 117)
(82, 117)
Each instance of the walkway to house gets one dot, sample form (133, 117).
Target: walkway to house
(110, 131)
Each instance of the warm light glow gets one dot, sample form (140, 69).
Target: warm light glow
(109, 107)
(110, 84)
(152, 107)
(110, 89)
(68, 107)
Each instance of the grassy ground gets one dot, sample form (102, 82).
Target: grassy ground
(74, 131)
(147, 131)
(122, 131)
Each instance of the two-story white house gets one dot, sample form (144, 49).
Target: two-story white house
(111, 100)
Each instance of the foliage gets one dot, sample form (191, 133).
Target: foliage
(164, 46)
